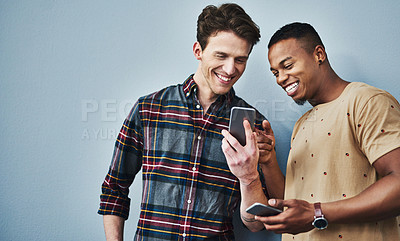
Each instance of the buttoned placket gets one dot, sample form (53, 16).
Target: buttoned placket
(198, 147)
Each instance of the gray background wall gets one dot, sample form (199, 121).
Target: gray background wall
(71, 70)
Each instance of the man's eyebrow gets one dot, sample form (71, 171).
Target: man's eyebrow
(283, 61)
(219, 52)
(225, 54)
(243, 57)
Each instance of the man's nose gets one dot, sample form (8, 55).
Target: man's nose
(281, 79)
(229, 66)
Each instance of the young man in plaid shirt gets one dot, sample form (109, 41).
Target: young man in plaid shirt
(174, 137)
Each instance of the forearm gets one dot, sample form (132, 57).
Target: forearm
(377, 202)
(250, 194)
(113, 227)
(274, 178)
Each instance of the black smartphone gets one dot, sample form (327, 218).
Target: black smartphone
(260, 209)
(238, 115)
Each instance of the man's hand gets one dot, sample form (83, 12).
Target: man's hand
(297, 218)
(243, 163)
(266, 143)
(242, 160)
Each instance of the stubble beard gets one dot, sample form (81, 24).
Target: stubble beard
(300, 102)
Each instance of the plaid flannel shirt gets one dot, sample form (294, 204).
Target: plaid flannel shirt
(189, 192)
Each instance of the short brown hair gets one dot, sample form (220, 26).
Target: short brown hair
(227, 17)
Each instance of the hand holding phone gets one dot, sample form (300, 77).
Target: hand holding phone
(260, 209)
(238, 115)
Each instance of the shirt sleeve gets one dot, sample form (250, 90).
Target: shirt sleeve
(378, 126)
(126, 163)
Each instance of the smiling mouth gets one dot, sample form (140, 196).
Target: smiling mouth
(292, 88)
(223, 78)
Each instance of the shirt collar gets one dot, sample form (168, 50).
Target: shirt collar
(190, 88)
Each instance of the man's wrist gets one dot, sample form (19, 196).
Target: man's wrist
(271, 162)
(320, 221)
(246, 219)
(250, 181)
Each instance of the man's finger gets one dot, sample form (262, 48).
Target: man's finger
(231, 139)
(277, 203)
(250, 139)
(264, 147)
(263, 138)
(227, 148)
(267, 127)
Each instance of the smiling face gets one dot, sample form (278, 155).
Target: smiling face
(222, 62)
(296, 70)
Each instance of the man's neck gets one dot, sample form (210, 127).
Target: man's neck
(204, 95)
(332, 87)
(205, 99)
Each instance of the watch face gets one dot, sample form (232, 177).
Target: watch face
(320, 223)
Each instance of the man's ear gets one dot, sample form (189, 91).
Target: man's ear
(319, 54)
(197, 51)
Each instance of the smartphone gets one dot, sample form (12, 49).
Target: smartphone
(238, 115)
(260, 209)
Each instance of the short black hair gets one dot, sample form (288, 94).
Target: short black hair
(303, 32)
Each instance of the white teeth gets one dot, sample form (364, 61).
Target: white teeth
(223, 78)
(291, 87)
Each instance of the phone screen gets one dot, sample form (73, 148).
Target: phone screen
(238, 115)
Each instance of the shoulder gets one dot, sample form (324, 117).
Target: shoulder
(365, 101)
(165, 93)
(156, 99)
(363, 93)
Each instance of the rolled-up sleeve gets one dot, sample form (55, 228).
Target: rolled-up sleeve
(126, 163)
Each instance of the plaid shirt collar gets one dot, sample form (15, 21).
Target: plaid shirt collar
(190, 88)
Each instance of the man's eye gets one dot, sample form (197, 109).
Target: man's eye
(276, 74)
(288, 66)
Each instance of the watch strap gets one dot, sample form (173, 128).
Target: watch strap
(317, 210)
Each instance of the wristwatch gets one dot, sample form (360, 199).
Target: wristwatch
(319, 220)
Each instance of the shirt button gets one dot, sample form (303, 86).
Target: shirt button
(193, 168)
(189, 201)
(199, 137)
(184, 234)
(198, 106)
(187, 94)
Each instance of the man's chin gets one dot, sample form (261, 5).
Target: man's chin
(222, 91)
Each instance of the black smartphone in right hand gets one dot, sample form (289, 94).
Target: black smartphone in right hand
(238, 115)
